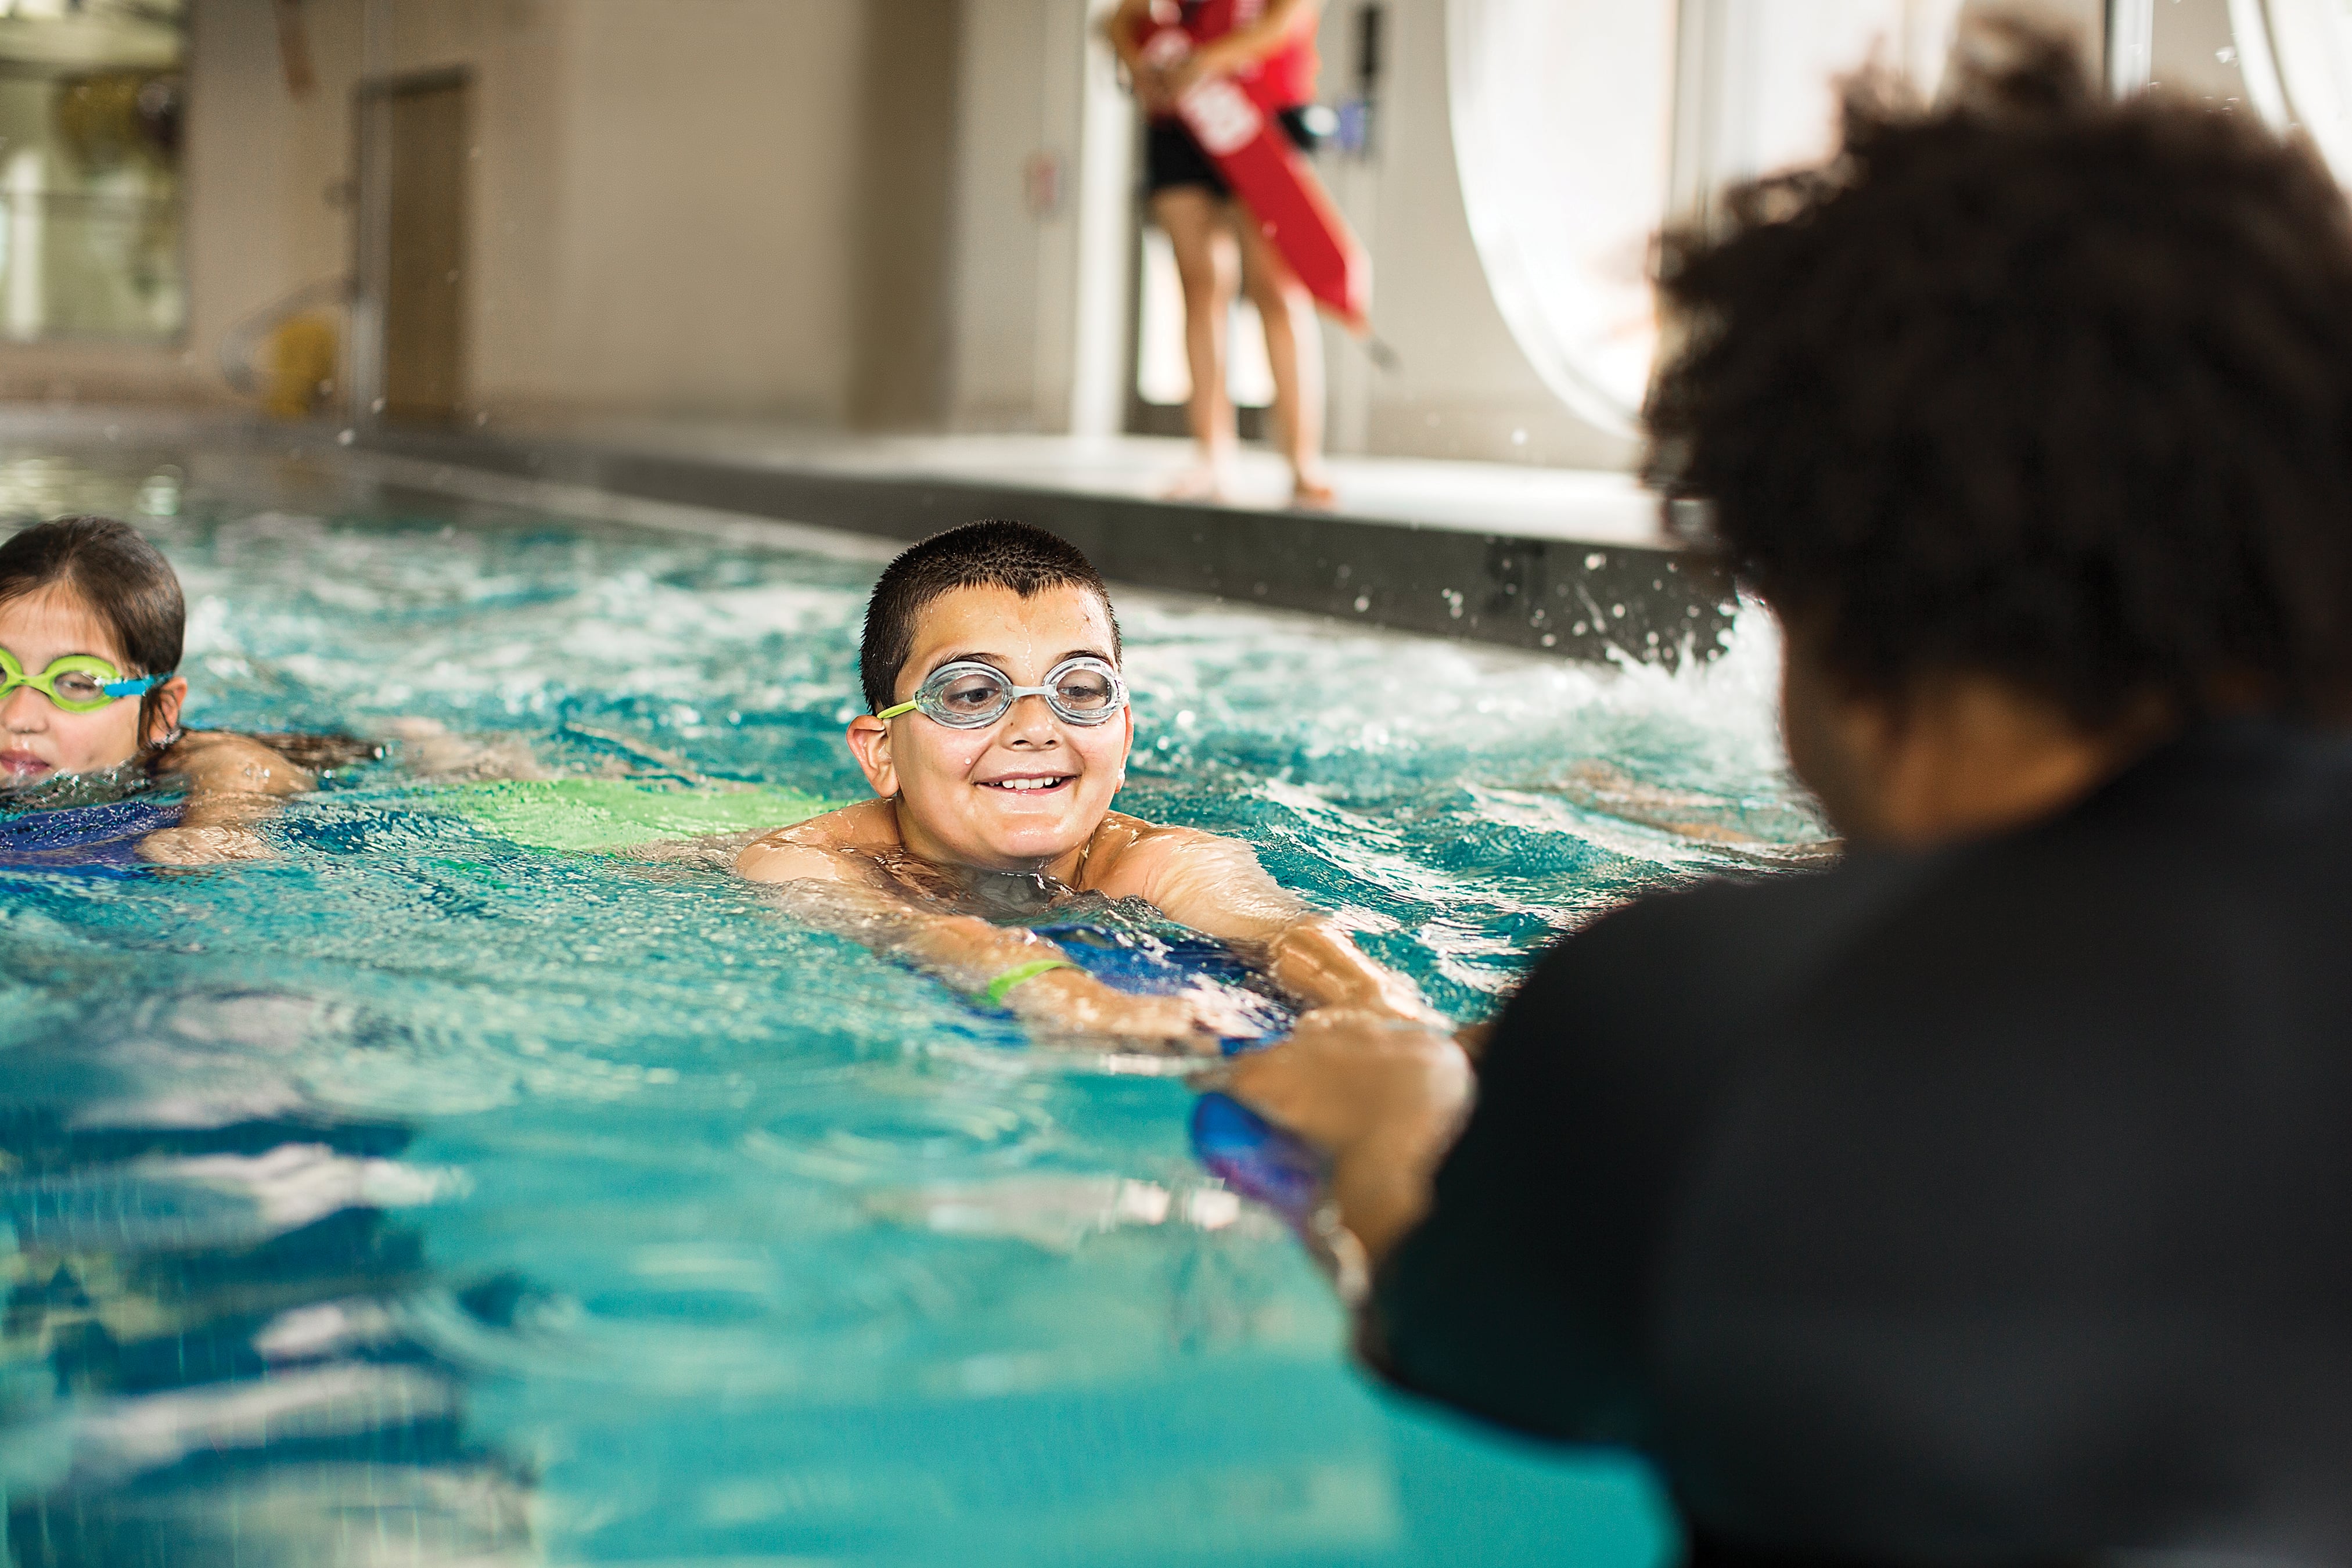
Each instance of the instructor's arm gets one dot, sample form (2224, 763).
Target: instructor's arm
(1511, 1242)
(1384, 1103)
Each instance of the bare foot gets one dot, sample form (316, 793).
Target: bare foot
(1202, 481)
(1598, 786)
(1312, 489)
(438, 756)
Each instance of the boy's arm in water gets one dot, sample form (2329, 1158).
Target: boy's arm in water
(235, 783)
(1216, 885)
(831, 872)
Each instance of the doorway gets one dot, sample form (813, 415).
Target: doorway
(414, 152)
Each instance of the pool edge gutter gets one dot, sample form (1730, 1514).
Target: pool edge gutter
(1598, 600)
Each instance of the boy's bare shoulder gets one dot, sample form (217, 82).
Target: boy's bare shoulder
(822, 848)
(1130, 854)
(1204, 879)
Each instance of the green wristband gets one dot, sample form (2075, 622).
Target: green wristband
(1002, 986)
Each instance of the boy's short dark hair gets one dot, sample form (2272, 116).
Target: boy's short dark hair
(991, 554)
(2036, 386)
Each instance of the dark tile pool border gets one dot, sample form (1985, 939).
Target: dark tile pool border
(1588, 601)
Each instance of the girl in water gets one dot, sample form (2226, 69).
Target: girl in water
(91, 622)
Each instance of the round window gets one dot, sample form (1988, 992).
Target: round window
(1579, 125)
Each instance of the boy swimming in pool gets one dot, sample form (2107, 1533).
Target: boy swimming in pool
(91, 623)
(997, 732)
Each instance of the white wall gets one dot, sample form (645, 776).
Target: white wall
(2194, 52)
(662, 198)
(999, 245)
(698, 259)
(1464, 389)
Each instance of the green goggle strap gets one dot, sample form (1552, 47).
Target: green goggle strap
(109, 681)
(1002, 986)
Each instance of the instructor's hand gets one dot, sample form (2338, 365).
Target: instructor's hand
(1384, 1097)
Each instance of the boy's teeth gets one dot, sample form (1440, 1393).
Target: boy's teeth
(1027, 784)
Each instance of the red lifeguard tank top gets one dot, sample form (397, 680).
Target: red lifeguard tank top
(1283, 80)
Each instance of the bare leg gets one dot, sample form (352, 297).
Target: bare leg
(437, 756)
(706, 852)
(1294, 350)
(1209, 265)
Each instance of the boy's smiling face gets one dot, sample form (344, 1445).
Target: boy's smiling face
(37, 738)
(1026, 793)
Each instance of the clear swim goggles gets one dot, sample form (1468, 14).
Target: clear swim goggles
(969, 694)
(79, 683)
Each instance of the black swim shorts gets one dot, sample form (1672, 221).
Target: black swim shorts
(1171, 158)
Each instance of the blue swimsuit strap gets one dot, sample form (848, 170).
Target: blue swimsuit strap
(1159, 963)
(99, 840)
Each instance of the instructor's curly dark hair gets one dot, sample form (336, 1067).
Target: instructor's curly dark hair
(2035, 386)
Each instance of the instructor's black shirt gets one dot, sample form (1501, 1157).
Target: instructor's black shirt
(1988, 1204)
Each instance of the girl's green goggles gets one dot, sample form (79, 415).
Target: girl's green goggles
(79, 683)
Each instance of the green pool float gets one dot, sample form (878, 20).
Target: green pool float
(591, 815)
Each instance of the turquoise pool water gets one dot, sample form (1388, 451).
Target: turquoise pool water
(418, 1198)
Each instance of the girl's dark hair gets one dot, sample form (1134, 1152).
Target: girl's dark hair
(992, 554)
(2037, 386)
(124, 580)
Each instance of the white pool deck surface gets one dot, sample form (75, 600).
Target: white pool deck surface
(1516, 500)
(1520, 501)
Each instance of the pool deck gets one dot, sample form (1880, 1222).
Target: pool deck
(1570, 562)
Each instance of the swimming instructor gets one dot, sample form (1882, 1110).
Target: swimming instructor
(1988, 1196)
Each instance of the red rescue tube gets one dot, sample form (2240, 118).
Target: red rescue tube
(1293, 210)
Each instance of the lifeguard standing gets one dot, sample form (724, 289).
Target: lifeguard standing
(1267, 48)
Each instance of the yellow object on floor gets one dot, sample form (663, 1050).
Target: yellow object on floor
(301, 360)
